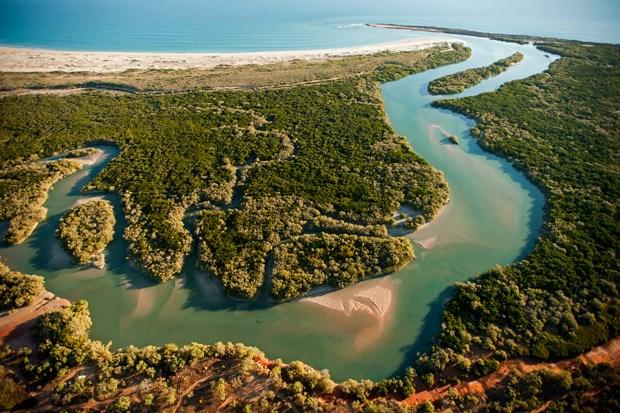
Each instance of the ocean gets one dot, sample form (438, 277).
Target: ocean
(256, 25)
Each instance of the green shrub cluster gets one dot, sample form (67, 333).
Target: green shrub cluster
(587, 388)
(337, 260)
(17, 289)
(12, 392)
(458, 82)
(233, 244)
(335, 226)
(394, 70)
(63, 341)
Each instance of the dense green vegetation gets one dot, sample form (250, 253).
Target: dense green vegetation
(561, 128)
(336, 226)
(336, 260)
(458, 82)
(587, 389)
(17, 289)
(23, 191)
(86, 230)
(239, 152)
(233, 245)
(62, 341)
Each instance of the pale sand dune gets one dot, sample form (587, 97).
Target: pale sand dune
(55, 92)
(14, 59)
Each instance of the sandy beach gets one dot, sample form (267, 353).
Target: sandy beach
(13, 59)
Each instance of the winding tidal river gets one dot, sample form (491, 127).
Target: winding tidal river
(370, 330)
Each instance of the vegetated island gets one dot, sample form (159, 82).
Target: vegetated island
(458, 82)
(256, 168)
(86, 230)
(560, 127)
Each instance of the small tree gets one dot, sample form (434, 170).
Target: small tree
(219, 389)
(63, 338)
(426, 407)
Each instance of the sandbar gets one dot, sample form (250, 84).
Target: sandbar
(370, 303)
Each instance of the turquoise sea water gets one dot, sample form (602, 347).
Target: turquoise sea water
(251, 25)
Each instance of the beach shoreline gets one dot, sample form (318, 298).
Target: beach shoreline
(21, 60)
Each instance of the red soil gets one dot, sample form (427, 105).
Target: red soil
(606, 353)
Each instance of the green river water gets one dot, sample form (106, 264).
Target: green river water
(370, 330)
